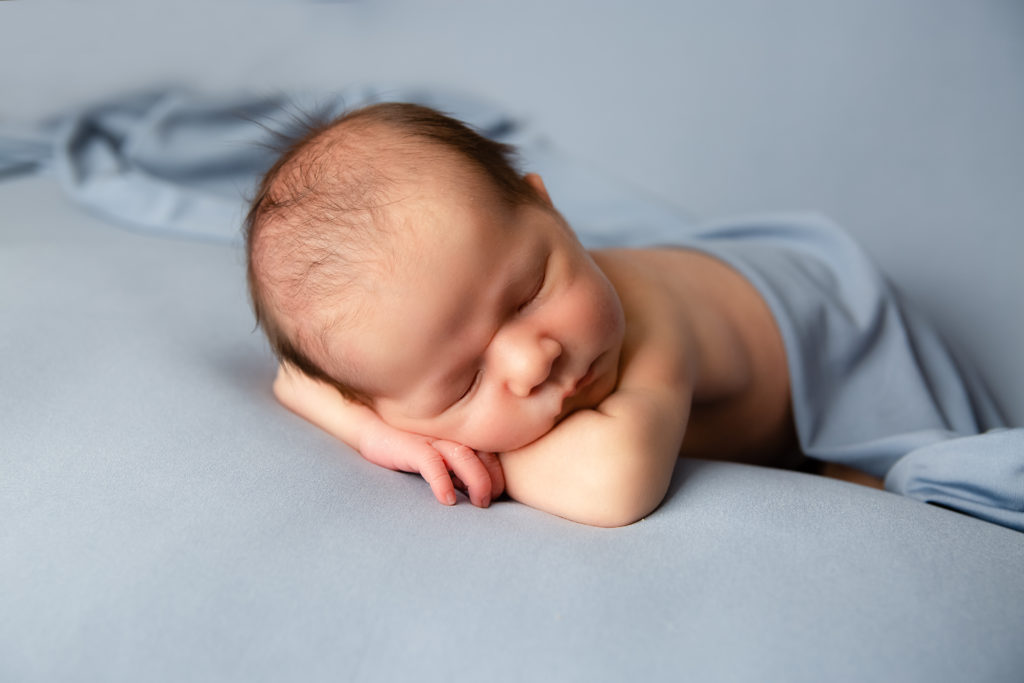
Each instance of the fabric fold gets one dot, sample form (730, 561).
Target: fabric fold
(184, 164)
(981, 475)
(873, 386)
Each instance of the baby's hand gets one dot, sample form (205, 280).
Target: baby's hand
(479, 474)
(437, 461)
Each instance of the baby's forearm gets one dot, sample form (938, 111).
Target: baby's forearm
(362, 429)
(355, 424)
(605, 467)
(612, 465)
(325, 407)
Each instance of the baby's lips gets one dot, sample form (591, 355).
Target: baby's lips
(585, 380)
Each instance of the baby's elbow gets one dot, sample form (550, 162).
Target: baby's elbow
(612, 475)
(618, 514)
(627, 510)
(628, 492)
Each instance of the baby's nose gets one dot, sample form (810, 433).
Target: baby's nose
(530, 365)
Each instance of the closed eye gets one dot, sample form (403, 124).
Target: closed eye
(469, 390)
(535, 293)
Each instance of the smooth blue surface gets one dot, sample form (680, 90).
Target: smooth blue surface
(165, 519)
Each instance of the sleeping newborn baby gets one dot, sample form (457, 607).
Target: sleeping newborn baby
(432, 308)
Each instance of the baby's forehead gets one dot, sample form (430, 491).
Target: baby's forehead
(433, 300)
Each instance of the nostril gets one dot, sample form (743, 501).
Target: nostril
(532, 365)
(553, 374)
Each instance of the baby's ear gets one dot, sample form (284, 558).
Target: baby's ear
(537, 184)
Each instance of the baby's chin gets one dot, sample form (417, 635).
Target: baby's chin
(505, 442)
(511, 442)
(513, 437)
(508, 437)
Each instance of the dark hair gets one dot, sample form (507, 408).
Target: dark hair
(299, 196)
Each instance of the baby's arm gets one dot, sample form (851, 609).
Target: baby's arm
(612, 465)
(606, 467)
(361, 428)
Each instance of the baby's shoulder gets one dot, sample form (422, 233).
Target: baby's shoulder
(680, 277)
(688, 301)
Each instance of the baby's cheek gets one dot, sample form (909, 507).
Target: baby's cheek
(506, 431)
(606, 310)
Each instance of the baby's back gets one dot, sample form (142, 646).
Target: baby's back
(741, 409)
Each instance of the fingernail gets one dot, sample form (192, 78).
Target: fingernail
(450, 499)
(485, 502)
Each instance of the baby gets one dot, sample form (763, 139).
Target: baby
(431, 308)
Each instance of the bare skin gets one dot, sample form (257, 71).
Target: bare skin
(502, 352)
(741, 407)
(742, 411)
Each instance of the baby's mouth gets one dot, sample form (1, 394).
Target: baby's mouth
(581, 383)
(577, 388)
(587, 379)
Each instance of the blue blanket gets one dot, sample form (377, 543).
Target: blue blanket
(873, 386)
(182, 165)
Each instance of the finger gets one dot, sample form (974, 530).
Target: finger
(493, 465)
(433, 469)
(458, 483)
(463, 461)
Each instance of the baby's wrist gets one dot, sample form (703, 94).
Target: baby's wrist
(369, 436)
(376, 437)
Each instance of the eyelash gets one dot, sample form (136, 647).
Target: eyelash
(533, 297)
(536, 292)
(469, 389)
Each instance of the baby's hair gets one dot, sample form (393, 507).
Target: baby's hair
(312, 223)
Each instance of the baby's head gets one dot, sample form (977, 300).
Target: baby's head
(398, 255)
